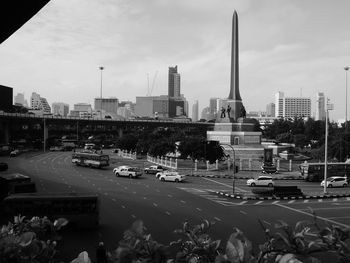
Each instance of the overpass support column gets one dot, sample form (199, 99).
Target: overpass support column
(46, 133)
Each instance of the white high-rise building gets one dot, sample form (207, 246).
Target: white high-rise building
(195, 110)
(291, 107)
(320, 107)
(60, 109)
(39, 103)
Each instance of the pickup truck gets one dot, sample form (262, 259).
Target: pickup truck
(153, 169)
(131, 172)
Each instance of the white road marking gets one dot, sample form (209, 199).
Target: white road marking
(306, 201)
(275, 202)
(144, 198)
(217, 219)
(170, 196)
(268, 223)
(242, 212)
(199, 209)
(291, 201)
(242, 203)
(311, 215)
(167, 213)
(227, 185)
(259, 202)
(114, 200)
(182, 201)
(155, 204)
(133, 216)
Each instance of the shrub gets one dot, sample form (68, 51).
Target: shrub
(31, 240)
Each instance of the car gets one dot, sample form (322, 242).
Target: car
(14, 153)
(154, 169)
(171, 176)
(335, 181)
(3, 166)
(261, 181)
(131, 172)
(56, 148)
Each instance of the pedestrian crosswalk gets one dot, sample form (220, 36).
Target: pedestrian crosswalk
(211, 194)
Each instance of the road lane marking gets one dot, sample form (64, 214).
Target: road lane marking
(338, 217)
(275, 202)
(155, 204)
(133, 216)
(292, 201)
(170, 196)
(306, 201)
(268, 223)
(328, 208)
(144, 198)
(227, 185)
(217, 219)
(242, 212)
(259, 202)
(167, 213)
(311, 215)
(242, 203)
(199, 209)
(123, 207)
(114, 200)
(182, 201)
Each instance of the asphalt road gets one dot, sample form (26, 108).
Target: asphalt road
(164, 206)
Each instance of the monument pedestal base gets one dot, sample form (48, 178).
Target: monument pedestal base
(241, 136)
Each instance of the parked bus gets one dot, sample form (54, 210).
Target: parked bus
(80, 209)
(90, 159)
(314, 172)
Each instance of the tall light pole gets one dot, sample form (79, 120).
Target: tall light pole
(328, 107)
(346, 93)
(101, 69)
(234, 165)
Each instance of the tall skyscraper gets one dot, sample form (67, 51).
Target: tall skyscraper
(270, 109)
(291, 107)
(320, 107)
(195, 111)
(174, 83)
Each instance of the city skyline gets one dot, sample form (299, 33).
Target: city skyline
(282, 48)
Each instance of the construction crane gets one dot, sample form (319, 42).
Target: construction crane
(149, 92)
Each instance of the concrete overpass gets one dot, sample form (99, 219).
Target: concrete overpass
(15, 126)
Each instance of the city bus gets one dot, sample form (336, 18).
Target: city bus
(314, 172)
(90, 159)
(80, 209)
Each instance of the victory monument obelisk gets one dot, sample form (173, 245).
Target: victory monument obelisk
(231, 126)
(234, 99)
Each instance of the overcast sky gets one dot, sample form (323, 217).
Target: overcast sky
(298, 47)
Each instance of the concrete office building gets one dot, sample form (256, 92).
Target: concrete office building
(108, 105)
(60, 109)
(39, 103)
(291, 107)
(270, 110)
(320, 107)
(148, 106)
(195, 109)
(20, 100)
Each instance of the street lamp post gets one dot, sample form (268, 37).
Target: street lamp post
(328, 107)
(346, 93)
(101, 69)
(234, 166)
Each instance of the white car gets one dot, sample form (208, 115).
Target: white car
(336, 181)
(131, 172)
(171, 176)
(261, 181)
